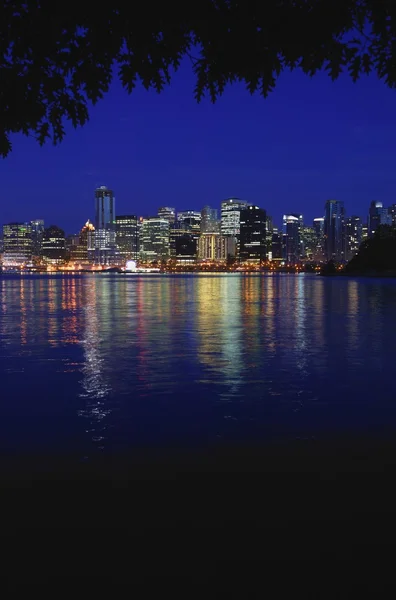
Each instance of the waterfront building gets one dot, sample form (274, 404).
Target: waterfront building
(309, 244)
(54, 245)
(253, 243)
(215, 247)
(168, 213)
(292, 238)
(378, 215)
(154, 239)
(276, 246)
(37, 227)
(127, 237)
(105, 227)
(209, 220)
(334, 231)
(353, 233)
(319, 252)
(82, 253)
(17, 244)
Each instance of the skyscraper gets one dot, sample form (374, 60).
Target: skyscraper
(37, 235)
(17, 244)
(252, 246)
(292, 229)
(209, 220)
(105, 226)
(127, 237)
(334, 230)
(230, 216)
(154, 239)
(378, 215)
(54, 245)
(353, 234)
(319, 253)
(79, 253)
(168, 213)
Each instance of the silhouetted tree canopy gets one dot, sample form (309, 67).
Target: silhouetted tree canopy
(58, 58)
(377, 253)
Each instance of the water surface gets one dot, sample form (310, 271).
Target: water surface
(95, 364)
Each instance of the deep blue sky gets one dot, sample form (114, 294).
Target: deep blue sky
(312, 139)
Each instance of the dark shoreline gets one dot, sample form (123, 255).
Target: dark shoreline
(206, 517)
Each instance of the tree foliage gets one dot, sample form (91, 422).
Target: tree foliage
(376, 254)
(56, 59)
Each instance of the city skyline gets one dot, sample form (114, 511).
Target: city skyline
(305, 144)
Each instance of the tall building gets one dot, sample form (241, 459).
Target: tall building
(392, 212)
(127, 237)
(17, 244)
(353, 235)
(154, 239)
(216, 247)
(105, 227)
(334, 231)
(209, 220)
(231, 215)
(80, 252)
(276, 246)
(378, 215)
(292, 238)
(309, 244)
(252, 241)
(318, 226)
(190, 218)
(37, 235)
(54, 245)
(168, 213)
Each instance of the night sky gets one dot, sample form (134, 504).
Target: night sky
(310, 140)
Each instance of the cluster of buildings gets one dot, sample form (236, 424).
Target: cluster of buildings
(239, 233)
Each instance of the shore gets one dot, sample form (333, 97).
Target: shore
(314, 513)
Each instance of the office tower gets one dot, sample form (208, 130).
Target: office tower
(318, 226)
(190, 218)
(184, 234)
(378, 215)
(309, 244)
(292, 239)
(334, 231)
(154, 239)
(17, 244)
(252, 241)
(37, 235)
(105, 227)
(276, 246)
(168, 213)
(209, 220)
(127, 237)
(230, 216)
(353, 235)
(80, 252)
(364, 231)
(54, 245)
(216, 247)
(392, 213)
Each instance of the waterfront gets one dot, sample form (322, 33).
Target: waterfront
(101, 365)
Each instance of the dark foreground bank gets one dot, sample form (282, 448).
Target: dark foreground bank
(308, 516)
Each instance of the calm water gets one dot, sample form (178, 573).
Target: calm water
(98, 364)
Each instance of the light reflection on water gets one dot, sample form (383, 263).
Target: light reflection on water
(105, 362)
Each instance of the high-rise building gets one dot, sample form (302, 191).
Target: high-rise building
(334, 231)
(127, 237)
(231, 215)
(364, 231)
(154, 239)
(216, 247)
(378, 215)
(253, 243)
(318, 226)
(392, 212)
(353, 235)
(168, 213)
(190, 218)
(80, 252)
(292, 238)
(309, 244)
(37, 235)
(54, 245)
(276, 246)
(209, 220)
(17, 244)
(105, 227)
